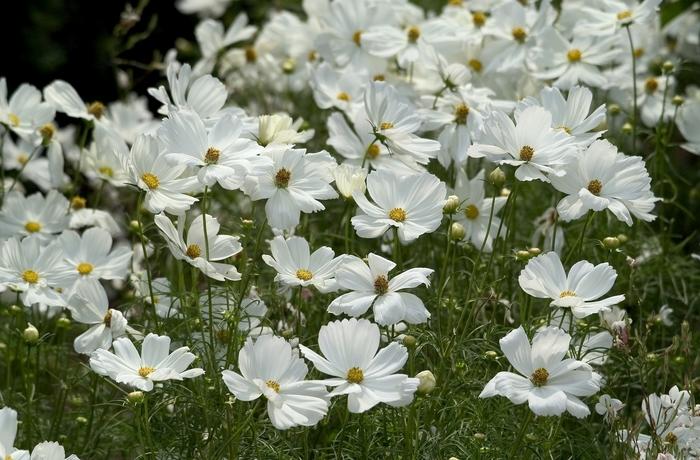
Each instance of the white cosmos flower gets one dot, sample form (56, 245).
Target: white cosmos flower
(193, 248)
(89, 305)
(8, 432)
(90, 256)
(297, 266)
(550, 383)
(688, 122)
(269, 367)
(351, 355)
(544, 277)
(570, 115)
(154, 364)
(24, 113)
(651, 101)
(81, 217)
(280, 129)
(292, 183)
(371, 286)
(106, 157)
(34, 270)
(475, 210)
(603, 178)
(537, 150)
(164, 184)
(408, 45)
(413, 204)
(350, 179)
(64, 98)
(220, 153)
(25, 157)
(608, 17)
(130, 118)
(213, 8)
(212, 39)
(34, 215)
(394, 123)
(340, 89)
(608, 407)
(48, 450)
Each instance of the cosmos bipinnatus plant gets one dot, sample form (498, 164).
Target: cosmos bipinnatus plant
(360, 229)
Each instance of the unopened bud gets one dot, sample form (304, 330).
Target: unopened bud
(409, 341)
(457, 231)
(426, 382)
(535, 251)
(30, 334)
(522, 255)
(611, 243)
(63, 322)
(627, 128)
(614, 109)
(667, 67)
(491, 354)
(505, 192)
(451, 204)
(677, 100)
(134, 225)
(479, 436)
(135, 397)
(497, 177)
(81, 420)
(622, 238)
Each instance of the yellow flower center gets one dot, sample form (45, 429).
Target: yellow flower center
(151, 180)
(622, 15)
(595, 186)
(471, 212)
(413, 34)
(30, 276)
(22, 158)
(78, 202)
(526, 153)
(357, 37)
(574, 55)
(193, 251)
(84, 268)
(282, 178)
(343, 96)
(475, 65)
(519, 34)
(539, 377)
(212, 155)
(107, 171)
(381, 285)
(397, 214)
(461, 113)
(289, 66)
(386, 125)
(146, 371)
(455, 2)
(355, 375)
(638, 52)
(96, 109)
(107, 320)
(651, 84)
(567, 293)
(273, 384)
(312, 56)
(47, 131)
(373, 151)
(671, 438)
(250, 54)
(566, 129)
(304, 275)
(32, 226)
(479, 18)
(14, 120)
(379, 77)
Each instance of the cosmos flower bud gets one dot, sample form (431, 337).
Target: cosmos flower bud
(350, 179)
(497, 177)
(505, 192)
(614, 109)
(81, 420)
(451, 204)
(63, 322)
(457, 231)
(426, 382)
(30, 334)
(627, 128)
(409, 341)
(134, 225)
(135, 397)
(677, 100)
(535, 251)
(667, 67)
(491, 354)
(611, 242)
(522, 255)
(622, 238)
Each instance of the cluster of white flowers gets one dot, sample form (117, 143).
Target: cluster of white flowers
(405, 95)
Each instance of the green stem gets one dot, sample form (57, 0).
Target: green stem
(635, 109)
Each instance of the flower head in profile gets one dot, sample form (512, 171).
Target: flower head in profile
(412, 204)
(531, 144)
(550, 383)
(24, 113)
(603, 178)
(268, 367)
(371, 286)
(200, 251)
(154, 364)
(8, 432)
(351, 356)
(61, 95)
(581, 290)
(297, 266)
(48, 450)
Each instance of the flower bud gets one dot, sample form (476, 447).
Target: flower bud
(505, 192)
(491, 354)
(522, 255)
(409, 341)
(535, 251)
(457, 231)
(134, 225)
(614, 109)
(667, 67)
(247, 223)
(677, 100)
(627, 128)
(479, 436)
(497, 177)
(611, 242)
(350, 179)
(426, 382)
(81, 420)
(451, 204)
(30, 334)
(622, 238)
(135, 397)
(63, 322)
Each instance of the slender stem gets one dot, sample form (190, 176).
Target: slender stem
(635, 109)
(579, 244)
(24, 165)
(146, 262)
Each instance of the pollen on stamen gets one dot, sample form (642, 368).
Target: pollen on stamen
(622, 15)
(30, 276)
(357, 37)
(381, 285)
(397, 214)
(212, 155)
(96, 109)
(282, 178)
(595, 186)
(84, 268)
(526, 153)
(355, 375)
(373, 151)
(343, 96)
(413, 34)
(519, 34)
(151, 180)
(14, 120)
(193, 251)
(471, 212)
(304, 274)
(273, 384)
(107, 320)
(479, 18)
(250, 54)
(106, 171)
(651, 84)
(539, 377)
(23, 159)
(32, 226)
(476, 65)
(386, 125)
(78, 202)
(567, 293)
(461, 114)
(145, 371)
(574, 55)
